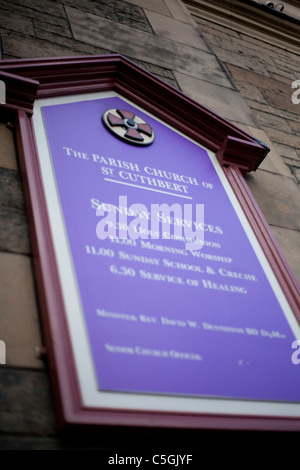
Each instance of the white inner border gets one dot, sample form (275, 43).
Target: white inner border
(91, 396)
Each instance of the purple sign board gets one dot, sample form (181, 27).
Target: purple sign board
(161, 319)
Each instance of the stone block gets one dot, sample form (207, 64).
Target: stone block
(285, 76)
(32, 7)
(267, 108)
(15, 22)
(14, 233)
(29, 10)
(288, 152)
(174, 29)
(289, 242)
(11, 190)
(278, 197)
(165, 74)
(296, 172)
(220, 35)
(20, 328)
(240, 60)
(286, 138)
(210, 39)
(271, 120)
(25, 47)
(74, 47)
(295, 125)
(262, 82)
(115, 10)
(223, 101)
(8, 157)
(158, 6)
(55, 29)
(273, 51)
(249, 91)
(288, 61)
(282, 98)
(25, 402)
(207, 25)
(148, 47)
(179, 11)
(217, 30)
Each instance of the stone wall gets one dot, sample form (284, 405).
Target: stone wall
(245, 81)
(263, 75)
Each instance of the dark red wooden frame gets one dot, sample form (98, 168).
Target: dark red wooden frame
(237, 152)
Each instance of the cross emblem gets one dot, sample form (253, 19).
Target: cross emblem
(128, 126)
